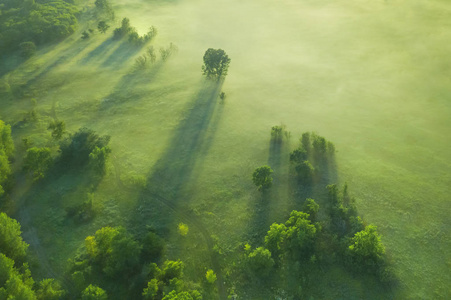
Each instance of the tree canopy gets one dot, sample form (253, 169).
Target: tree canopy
(35, 21)
(216, 64)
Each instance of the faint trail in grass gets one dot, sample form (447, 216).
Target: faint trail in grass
(187, 217)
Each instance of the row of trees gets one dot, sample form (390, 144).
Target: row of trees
(6, 154)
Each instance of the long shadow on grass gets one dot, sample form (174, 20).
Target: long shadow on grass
(98, 52)
(121, 55)
(170, 178)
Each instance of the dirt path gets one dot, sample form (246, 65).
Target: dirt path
(193, 221)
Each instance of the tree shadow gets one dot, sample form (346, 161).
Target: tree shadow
(98, 52)
(121, 55)
(165, 191)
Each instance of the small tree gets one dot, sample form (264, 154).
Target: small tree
(210, 276)
(38, 160)
(183, 229)
(216, 64)
(262, 177)
(260, 261)
(366, 246)
(103, 26)
(311, 207)
(305, 171)
(151, 54)
(98, 157)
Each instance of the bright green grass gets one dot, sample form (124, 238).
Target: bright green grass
(373, 77)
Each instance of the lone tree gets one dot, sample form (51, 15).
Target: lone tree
(216, 64)
(262, 177)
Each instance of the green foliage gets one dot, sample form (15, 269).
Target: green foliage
(49, 289)
(171, 269)
(102, 4)
(27, 49)
(275, 238)
(298, 156)
(260, 261)
(210, 276)
(38, 161)
(311, 207)
(93, 292)
(77, 148)
(102, 26)
(58, 128)
(187, 295)
(183, 229)
(113, 251)
(37, 22)
(141, 62)
(6, 153)
(98, 157)
(6, 141)
(83, 212)
(295, 237)
(262, 177)
(222, 96)
(14, 285)
(124, 30)
(85, 35)
(216, 64)
(152, 290)
(11, 243)
(366, 246)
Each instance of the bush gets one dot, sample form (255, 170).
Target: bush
(260, 261)
(210, 276)
(262, 177)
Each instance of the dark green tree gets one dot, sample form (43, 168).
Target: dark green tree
(262, 177)
(260, 261)
(98, 157)
(216, 64)
(311, 207)
(103, 26)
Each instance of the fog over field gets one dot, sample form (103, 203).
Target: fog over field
(374, 77)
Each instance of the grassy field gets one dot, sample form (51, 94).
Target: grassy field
(373, 77)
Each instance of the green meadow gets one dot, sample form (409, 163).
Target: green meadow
(373, 77)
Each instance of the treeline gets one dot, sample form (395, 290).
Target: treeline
(35, 21)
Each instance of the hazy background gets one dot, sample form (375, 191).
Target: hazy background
(371, 76)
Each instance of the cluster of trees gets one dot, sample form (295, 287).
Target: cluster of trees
(15, 277)
(312, 156)
(82, 148)
(126, 30)
(114, 258)
(26, 23)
